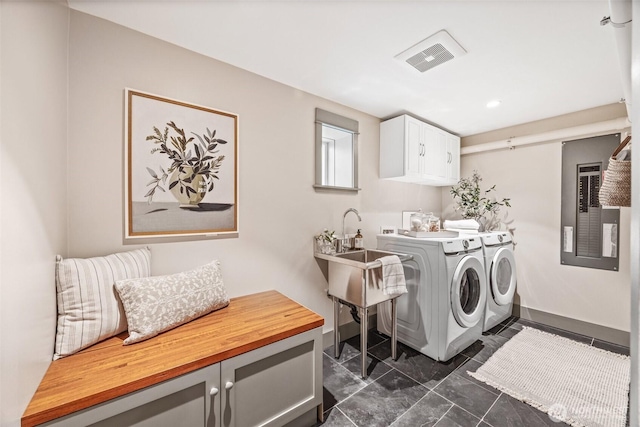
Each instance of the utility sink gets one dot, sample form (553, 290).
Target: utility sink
(355, 279)
(365, 257)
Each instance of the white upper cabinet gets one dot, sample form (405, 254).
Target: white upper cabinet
(414, 148)
(414, 151)
(453, 161)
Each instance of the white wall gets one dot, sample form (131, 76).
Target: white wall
(33, 167)
(279, 209)
(531, 177)
(2, 410)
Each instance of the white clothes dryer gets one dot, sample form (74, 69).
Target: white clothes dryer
(442, 312)
(500, 265)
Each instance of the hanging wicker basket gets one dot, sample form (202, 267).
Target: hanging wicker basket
(616, 187)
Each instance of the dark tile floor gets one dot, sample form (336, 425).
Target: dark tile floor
(418, 391)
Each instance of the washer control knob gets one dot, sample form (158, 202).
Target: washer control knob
(500, 238)
(465, 243)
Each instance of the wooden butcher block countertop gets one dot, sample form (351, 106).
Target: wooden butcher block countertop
(108, 369)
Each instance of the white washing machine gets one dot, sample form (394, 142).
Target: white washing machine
(442, 312)
(500, 265)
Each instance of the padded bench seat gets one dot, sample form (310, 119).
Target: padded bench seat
(109, 370)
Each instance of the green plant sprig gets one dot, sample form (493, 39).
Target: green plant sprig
(472, 202)
(202, 160)
(328, 236)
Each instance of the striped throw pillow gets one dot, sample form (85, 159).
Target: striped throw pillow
(89, 310)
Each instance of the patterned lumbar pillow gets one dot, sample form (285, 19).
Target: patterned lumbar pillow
(88, 308)
(157, 304)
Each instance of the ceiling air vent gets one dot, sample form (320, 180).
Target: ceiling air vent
(432, 51)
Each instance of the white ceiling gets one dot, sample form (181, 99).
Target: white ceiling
(540, 58)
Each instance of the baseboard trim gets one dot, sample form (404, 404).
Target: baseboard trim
(348, 330)
(604, 333)
(600, 332)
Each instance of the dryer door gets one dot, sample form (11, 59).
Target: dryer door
(468, 292)
(503, 276)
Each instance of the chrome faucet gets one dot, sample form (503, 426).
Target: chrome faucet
(345, 216)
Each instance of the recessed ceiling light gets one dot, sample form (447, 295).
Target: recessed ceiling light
(493, 104)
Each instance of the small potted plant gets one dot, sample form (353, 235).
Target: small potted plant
(325, 242)
(194, 164)
(474, 203)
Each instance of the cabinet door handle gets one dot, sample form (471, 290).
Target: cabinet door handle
(228, 385)
(214, 391)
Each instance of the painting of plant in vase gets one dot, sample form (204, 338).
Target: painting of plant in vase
(181, 168)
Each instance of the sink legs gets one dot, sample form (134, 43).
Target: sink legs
(394, 328)
(364, 329)
(336, 327)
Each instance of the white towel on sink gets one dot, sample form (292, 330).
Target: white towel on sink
(393, 281)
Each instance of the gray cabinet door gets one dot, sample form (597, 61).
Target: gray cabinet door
(273, 385)
(184, 401)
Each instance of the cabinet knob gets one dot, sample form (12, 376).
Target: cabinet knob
(228, 385)
(213, 391)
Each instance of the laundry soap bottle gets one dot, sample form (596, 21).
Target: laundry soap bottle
(359, 241)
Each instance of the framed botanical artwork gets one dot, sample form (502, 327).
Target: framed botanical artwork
(181, 168)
